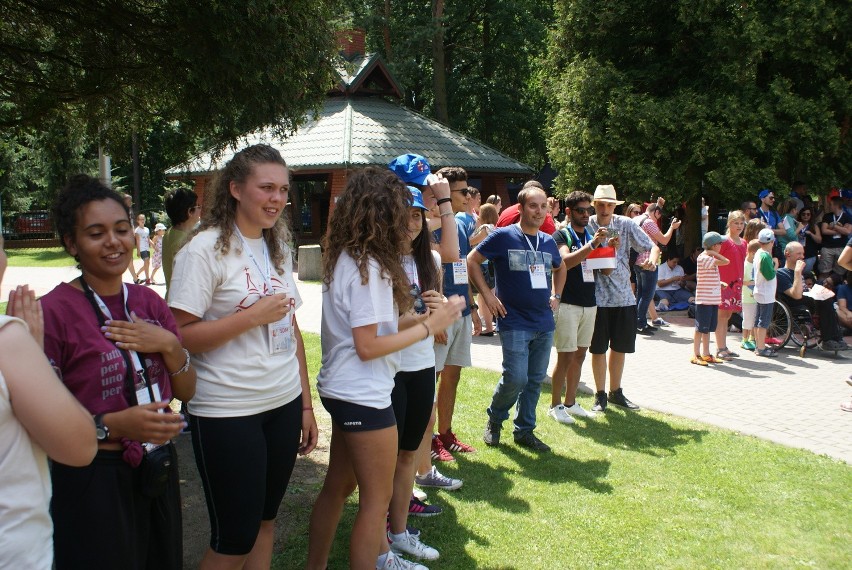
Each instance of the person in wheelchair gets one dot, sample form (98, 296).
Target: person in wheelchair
(791, 291)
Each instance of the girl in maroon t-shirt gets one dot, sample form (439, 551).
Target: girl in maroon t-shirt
(96, 327)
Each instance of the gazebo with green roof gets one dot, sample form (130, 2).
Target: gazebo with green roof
(362, 123)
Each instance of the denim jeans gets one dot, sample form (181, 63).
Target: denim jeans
(646, 286)
(525, 358)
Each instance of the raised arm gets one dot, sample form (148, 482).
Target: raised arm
(53, 417)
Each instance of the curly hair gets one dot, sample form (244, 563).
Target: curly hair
(370, 221)
(220, 207)
(79, 191)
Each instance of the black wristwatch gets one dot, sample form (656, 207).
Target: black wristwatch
(474, 307)
(101, 431)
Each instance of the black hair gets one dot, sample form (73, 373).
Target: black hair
(79, 191)
(421, 251)
(178, 202)
(576, 197)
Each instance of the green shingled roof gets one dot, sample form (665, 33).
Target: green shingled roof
(361, 131)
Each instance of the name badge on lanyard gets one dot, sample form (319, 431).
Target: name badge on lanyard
(281, 333)
(538, 276)
(460, 272)
(588, 274)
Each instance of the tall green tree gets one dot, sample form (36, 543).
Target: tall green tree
(220, 69)
(677, 96)
(489, 53)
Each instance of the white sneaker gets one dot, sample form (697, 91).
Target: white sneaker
(660, 322)
(433, 478)
(577, 410)
(411, 545)
(419, 494)
(559, 414)
(394, 562)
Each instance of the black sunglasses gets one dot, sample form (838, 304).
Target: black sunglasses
(464, 191)
(588, 210)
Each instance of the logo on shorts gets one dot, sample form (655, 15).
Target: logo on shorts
(351, 423)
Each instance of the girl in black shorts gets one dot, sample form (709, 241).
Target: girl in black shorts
(366, 290)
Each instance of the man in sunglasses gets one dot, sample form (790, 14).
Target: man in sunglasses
(453, 353)
(575, 318)
(749, 208)
(772, 219)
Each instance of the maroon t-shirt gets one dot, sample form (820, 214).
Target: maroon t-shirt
(89, 364)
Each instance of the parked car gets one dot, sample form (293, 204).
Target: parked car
(33, 224)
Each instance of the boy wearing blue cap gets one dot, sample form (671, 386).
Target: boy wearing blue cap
(708, 297)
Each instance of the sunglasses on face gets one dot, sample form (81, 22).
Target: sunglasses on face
(464, 191)
(588, 210)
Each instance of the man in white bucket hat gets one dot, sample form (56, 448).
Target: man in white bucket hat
(615, 321)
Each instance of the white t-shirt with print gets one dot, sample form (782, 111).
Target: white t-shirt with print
(241, 377)
(347, 304)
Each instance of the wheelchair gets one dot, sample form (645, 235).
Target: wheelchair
(795, 324)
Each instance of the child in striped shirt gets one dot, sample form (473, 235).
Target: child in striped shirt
(708, 297)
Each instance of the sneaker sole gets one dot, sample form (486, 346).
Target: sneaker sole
(422, 514)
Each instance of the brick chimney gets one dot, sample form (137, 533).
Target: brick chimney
(350, 42)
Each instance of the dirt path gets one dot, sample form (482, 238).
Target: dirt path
(308, 476)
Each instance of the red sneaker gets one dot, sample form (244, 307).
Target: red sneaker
(439, 452)
(452, 443)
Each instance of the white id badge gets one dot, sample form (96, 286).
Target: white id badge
(588, 274)
(280, 336)
(142, 396)
(460, 272)
(538, 278)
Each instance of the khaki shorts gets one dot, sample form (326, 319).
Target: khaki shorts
(457, 350)
(575, 326)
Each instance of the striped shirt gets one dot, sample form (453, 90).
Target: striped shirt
(708, 288)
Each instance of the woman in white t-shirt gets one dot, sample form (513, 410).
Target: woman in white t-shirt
(38, 417)
(366, 289)
(234, 298)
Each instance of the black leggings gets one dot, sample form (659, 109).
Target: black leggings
(412, 398)
(245, 465)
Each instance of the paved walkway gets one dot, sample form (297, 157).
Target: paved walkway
(788, 400)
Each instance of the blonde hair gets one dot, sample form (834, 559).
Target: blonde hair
(488, 214)
(735, 215)
(753, 228)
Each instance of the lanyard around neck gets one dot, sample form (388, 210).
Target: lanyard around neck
(265, 275)
(101, 311)
(574, 235)
(529, 243)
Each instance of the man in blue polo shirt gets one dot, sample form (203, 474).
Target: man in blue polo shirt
(527, 265)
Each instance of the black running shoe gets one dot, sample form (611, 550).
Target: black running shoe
(619, 399)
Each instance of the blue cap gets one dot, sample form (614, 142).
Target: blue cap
(411, 168)
(764, 193)
(416, 198)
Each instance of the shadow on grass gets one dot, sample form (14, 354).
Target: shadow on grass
(639, 432)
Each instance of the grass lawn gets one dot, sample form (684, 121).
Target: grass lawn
(625, 490)
(39, 257)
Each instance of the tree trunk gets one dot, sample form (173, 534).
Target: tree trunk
(439, 71)
(137, 178)
(386, 30)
